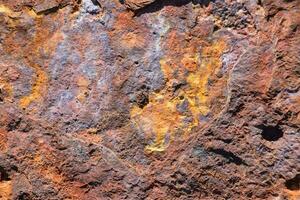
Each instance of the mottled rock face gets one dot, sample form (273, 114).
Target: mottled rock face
(137, 4)
(145, 99)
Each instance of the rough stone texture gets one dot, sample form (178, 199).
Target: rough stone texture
(177, 99)
(137, 4)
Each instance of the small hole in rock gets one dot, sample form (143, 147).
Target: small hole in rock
(271, 133)
(216, 28)
(294, 183)
(4, 176)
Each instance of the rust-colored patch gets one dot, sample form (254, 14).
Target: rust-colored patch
(176, 111)
(292, 195)
(83, 90)
(38, 88)
(133, 40)
(124, 35)
(6, 90)
(3, 140)
(42, 43)
(5, 190)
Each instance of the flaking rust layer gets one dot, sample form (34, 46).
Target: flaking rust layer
(149, 99)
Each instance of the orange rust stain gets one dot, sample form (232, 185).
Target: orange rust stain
(5, 190)
(89, 136)
(49, 172)
(161, 117)
(83, 89)
(124, 20)
(46, 163)
(39, 87)
(51, 44)
(3, 140)
(133, 40)
(124, 34)
(6, 88)
(292, 195)
(40, 43)
(7, 11)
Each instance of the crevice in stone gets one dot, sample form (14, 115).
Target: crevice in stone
(4, 176)
(160, 4)
(50, 6)
(259, 2)
(1, 95)
(231, 157)
(294, 183)
(96, 3)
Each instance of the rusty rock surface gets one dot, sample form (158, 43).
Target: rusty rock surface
(145, 99)
(137, 4)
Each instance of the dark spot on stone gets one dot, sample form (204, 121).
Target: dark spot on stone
(216, 28)
(13, 124)
(23, 196)
(231, 157)
(1, 95)
(157, 5)
(271, 133)
(217, 192)
(142, 99)
(259, 2)
(96, 3)
(177, 86)
(294, 27)
(294, 183)
(4, 176)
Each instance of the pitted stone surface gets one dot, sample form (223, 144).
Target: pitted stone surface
(145, 99)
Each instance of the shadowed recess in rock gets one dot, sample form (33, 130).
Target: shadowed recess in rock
(271, 133)
(294, 183)
(159, 4)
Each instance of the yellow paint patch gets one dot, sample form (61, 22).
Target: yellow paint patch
(171, 113)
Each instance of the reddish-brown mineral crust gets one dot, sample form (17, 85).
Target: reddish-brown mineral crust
(145, 99)
(137, 4)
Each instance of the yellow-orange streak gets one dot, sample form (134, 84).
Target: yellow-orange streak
(160, 117)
